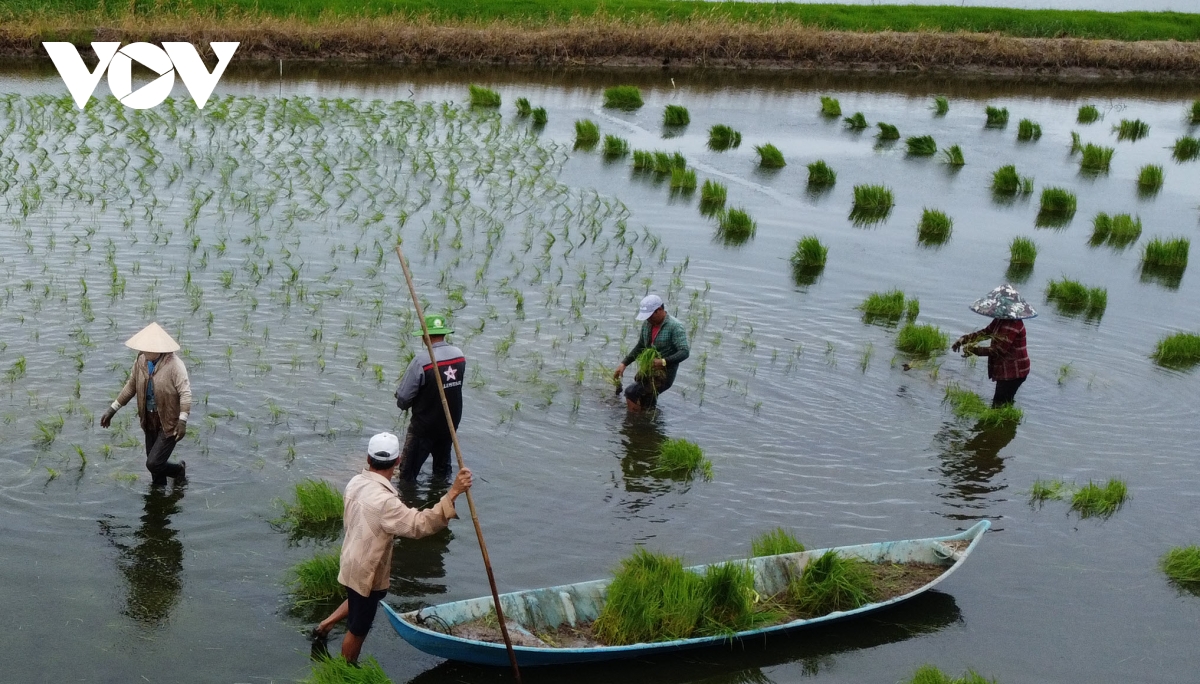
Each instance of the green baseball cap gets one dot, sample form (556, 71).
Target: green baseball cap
(437, 324)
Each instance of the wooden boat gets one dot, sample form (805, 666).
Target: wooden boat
(546, 611)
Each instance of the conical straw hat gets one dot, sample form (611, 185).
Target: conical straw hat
(1005, 303)
(152, 339)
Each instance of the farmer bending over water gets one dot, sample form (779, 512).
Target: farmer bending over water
(427, 431)
(664, 333)
(1008, 359)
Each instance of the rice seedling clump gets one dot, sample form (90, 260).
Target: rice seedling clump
(831, 583)
(777, 541)
(651, 598)
(809, 253)
(934, 227)
(643, 160)
(997, 117)
(1028, 130)
(1178, 350)
(1088, 114)
(1096, 158)
(1194, 113)
(736, 225)
(888, 131)
(539, 116)
(941, 105)
(953, 156)
(587, 134)
(1166, 254)
(712, 196)
(338, 671)
(967, 404)
(873, 197)
(483, 97)
(1006, 181)
(857, 122)
(1047, 490)
(820, 175)
(1119, 231)
(626, 98)
(1099, 501)
(921, 145)
(1182, 566)
(523, 107)
(1022, 252)
(886, 307)
(1186, 148)
(683, 180)
(922, 340)
(615, 147)
(1058, 202)
(769, 156)
(728, 592)
(1132, 130)
(722, 137)
(1072, 297)
(681, 458)
(315, 502)
(676, 115)
(830, 106)
(316, 579)
(1150, 178)
(929, 674)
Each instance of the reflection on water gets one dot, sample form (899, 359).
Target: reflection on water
(814, 649)
(417, 561)
(642, 435)
(970, 460)
(150, 558)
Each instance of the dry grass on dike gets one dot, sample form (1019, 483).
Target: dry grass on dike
(598, 41)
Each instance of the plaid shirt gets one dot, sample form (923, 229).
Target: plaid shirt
(1008, 359)
(671, 342)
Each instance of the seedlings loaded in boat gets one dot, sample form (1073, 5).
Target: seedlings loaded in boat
(775, 542)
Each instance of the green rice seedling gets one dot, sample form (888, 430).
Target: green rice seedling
(722, 137)
(643, 160)
(1047, 490)
(1119, 231)
(1177, 350)
(627, 98)
(645, 364)
(1006, 181)
(736, 226)
(651, 598)
(587, 134)
(539, 116)
(483, 97)
(883, 306)
(315, 580)
(967, 404)
(712, 196)
(1181, 565)
(830, 106)
(941, 105)
(1028, 130)
(1150, 178)
(1132, 130)
(676, 115)
(888, 131)
(1169, 254)
(728, 591)
(523, 107)
(1194, 113)
(615, 148)
(315, 505)
(820, 175)
(777, 541)
(1088, 114)
(831, 583)
(1072, 297)
(809, 253)
(997, 117)
(1022, 252)
(873, 197)
(1096, 158)
(683, 180)
(953, 156)
(923, 340)
(338, 671)
(921, 145)
(912, 309)
(664, 162)
(1186, 148)
(934, 227)
(1076, 143)
(857, 122)
(1056, 203)
(769, 156)
(928, 674)
(1093, 500)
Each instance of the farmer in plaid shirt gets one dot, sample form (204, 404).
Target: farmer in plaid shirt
(1008, 359)
(664, 333)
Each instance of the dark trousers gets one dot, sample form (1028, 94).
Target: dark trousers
(417, 448)
(159, 446)
(1006, 391)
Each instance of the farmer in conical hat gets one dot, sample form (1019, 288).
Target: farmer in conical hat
(1008, 359)
(159, 380)
(427, 431)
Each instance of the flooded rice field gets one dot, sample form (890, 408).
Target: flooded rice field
(260, 233)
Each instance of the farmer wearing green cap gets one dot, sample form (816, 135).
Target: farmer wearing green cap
(427, 431)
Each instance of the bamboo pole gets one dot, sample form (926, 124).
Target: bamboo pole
(487, 561)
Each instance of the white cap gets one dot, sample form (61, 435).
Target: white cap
(384, 447)
(650, 304)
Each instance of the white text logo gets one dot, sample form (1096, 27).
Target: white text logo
(118, 61)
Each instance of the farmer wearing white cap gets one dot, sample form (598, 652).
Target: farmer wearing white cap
(664, 333)
(373, 517)
(1008, 358)
(427, 431)
(159, 380)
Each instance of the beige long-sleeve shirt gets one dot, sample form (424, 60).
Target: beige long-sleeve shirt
(172, 390)
(374, 516)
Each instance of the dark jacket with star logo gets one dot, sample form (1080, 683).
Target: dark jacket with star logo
(418, 389)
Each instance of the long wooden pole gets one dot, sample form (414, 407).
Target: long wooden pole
(487, 561)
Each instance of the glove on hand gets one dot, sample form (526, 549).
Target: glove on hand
(106, 419)
(180, 429)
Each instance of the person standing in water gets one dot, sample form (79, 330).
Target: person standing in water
(1008, 358)
(664, 333)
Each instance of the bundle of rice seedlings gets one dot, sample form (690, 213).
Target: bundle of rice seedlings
(857, 122)
(722, 137)
(315, 580)
(888, 131)
(651, 598)
(1073, 297)
(1186, 148)
(883, 306)
(1132, 130)
(1150, 178)
(664, 163)
(626, 98)
(676, 115)
(809, 253)
(777, 541)
(967, 404)
(1095, 500)
(728, 591)
(614, 147)
(928, 674)
(912, 309)
(681, 458)
(1096, 158)
(934, 227)
(1022, 251)
(953, 156)
(1119, 231)
(1058, 201)
(941, 105)
(1177, 350)
(643, 160)
(1088, 114)
(646, 369)
(1076, 143)
(997, 117)
(1028, 130)
(1166, 253)
(830, 106)
(922, 340)
(1047, 490)
(1194, 114)
(539, 116)
(338, 671)
(769, 156)
(831, 583)
(483, 97)
(921, 145)
(523, 107)
(683, 180)
(1181, 565)
(736, 226)
(712, 196)
(587, 134)
(314, 502)
(820, 175)
(1006, 181)
(873, 197)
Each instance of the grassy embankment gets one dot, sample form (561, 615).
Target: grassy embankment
(574, 31)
